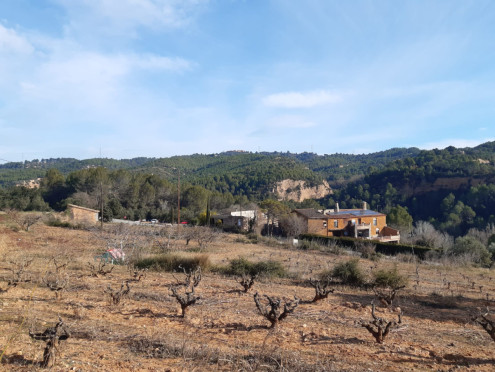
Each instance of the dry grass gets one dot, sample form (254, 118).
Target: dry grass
(223, 331)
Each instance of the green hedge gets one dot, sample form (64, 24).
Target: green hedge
(390, 249)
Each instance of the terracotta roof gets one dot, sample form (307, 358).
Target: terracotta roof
(84, 208)
(310, 213)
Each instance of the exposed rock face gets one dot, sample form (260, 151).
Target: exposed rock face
(297, 191)
(31, 184)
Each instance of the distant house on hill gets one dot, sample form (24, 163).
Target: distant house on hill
(354, 223)
(82, 214)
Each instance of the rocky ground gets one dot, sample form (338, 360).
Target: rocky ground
(223, 331)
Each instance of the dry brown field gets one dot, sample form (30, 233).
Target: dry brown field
(224, 331)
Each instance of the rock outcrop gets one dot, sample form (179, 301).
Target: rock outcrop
(298, 191)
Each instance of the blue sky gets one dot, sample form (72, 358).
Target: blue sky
(170, 77)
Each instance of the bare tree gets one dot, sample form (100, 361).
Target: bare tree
(292, 225)
(135, 273)
(56, 283)
(18, 272)
(380, 327)
(24, 220)
(187, 297)
(275, 311)
(367, 249)
(129, 239)
(53, 336)
(387, 295)
(204, 236)
(166, 238)
(100, 269)
(487, 324)
(322, 289)
(482, 235)
(117, 295)
(424, 233)
(58, 279)
(247, 281)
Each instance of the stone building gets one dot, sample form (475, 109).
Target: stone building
(81, 214)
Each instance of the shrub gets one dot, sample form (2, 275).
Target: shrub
(173, 262)
(349, 273)
(242, 266)
(471, 248)
(389, 278)
(55, 222)
(307, 245)
(326, 276)
(253, 238)
(367, 249)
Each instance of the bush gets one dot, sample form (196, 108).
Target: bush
(349, 273)
(326, 276)
(471, 248)
(367, 249)
(253, 238)
(307, 245)
(268, 268)
(173, 262)
(55, 222)
(389, 278)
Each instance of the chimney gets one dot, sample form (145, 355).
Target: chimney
(364, 205)
(337, 209)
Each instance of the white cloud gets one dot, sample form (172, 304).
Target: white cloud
(126, 15)
(11, 41)
(85, 77)
(154, 62)
(301, 99)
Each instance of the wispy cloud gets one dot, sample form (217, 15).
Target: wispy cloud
(154, 62)
(301, 99)
(117, 16)
(91, 77)
(12, 42)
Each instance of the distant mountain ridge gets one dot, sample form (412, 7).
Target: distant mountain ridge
(199, 168)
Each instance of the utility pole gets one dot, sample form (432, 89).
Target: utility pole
(101, 199)
(178, 197)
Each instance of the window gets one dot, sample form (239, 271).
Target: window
(324, 224)
(335, 223)
(374, 222)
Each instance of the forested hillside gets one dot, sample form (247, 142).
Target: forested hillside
(237, 171)
(453, 188)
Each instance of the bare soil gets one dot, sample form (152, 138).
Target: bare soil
(224, 331)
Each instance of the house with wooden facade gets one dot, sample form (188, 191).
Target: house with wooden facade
(354, 223)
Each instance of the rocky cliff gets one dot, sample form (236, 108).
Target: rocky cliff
(298, 191)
